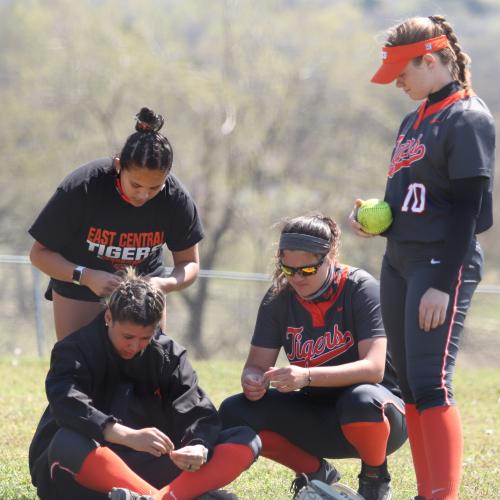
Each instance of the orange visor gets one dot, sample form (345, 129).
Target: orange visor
(394, 59)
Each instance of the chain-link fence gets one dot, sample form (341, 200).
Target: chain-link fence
(229, 311)
(26, 324)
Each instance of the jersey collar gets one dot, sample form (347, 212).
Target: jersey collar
(424, 111)
(122, 194)
(444, 92)
(318, 309)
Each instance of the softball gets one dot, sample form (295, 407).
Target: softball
(374, 215)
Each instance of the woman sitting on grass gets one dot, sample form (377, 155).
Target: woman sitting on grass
(126, 416)
(338, 397)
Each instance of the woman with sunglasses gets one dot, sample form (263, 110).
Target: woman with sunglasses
(439, 186)
(338, 397)
(113, 213)
(126, 416)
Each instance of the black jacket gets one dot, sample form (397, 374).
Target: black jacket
(85, 374)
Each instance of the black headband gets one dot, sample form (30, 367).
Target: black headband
(304, 242)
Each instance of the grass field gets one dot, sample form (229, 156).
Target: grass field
(22, 400)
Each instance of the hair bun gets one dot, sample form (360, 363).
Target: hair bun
(148, 121)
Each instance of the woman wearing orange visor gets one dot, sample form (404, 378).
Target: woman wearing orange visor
(439, 186)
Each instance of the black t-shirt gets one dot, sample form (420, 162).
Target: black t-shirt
(88, 222)
(326, 331)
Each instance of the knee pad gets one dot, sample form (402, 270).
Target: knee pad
(359, 404)
(241, 435)
(432, 391)
(68, 449)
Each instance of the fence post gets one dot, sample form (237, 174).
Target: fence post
(40, 334)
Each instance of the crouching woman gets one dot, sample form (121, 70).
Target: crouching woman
(338, 396)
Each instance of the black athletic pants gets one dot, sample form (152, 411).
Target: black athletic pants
(69, 449)
(424, 361)
(313, 422)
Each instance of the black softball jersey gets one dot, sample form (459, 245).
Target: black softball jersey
(326, 331)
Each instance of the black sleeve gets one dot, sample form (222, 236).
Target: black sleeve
(185, 228)
(68, 385)
(471, 150)
(57, 223)
(195, 419)
(467, 195)
(366, 309)
(268, 326)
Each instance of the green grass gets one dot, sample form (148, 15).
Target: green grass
(22, 401)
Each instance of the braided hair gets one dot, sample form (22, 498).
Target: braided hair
(318, 225)
(147, 148)
(136, 301)
(417, 29)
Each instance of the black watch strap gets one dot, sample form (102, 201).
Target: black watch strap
(77, 275)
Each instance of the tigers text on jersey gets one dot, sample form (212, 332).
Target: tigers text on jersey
(453, 138)
(324, 332)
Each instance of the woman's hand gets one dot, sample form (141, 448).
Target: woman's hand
(151, 440)
(287, 379)
(254, 386)
(190, 458)
(101, 283)
(355, 225)
(432, 309)
(56, 266)
(253, 381)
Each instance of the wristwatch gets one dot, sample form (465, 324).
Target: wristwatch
(77, 275)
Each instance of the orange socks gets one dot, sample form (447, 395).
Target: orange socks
(227, 463)
(369, 439)
(413, 425)
(278, 448)
(442, 435)
(103, 469)
(437, 448)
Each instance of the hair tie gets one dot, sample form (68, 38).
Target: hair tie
(154, 123)
(143, 126)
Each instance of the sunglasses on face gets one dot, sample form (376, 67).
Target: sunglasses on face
(290, 271)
